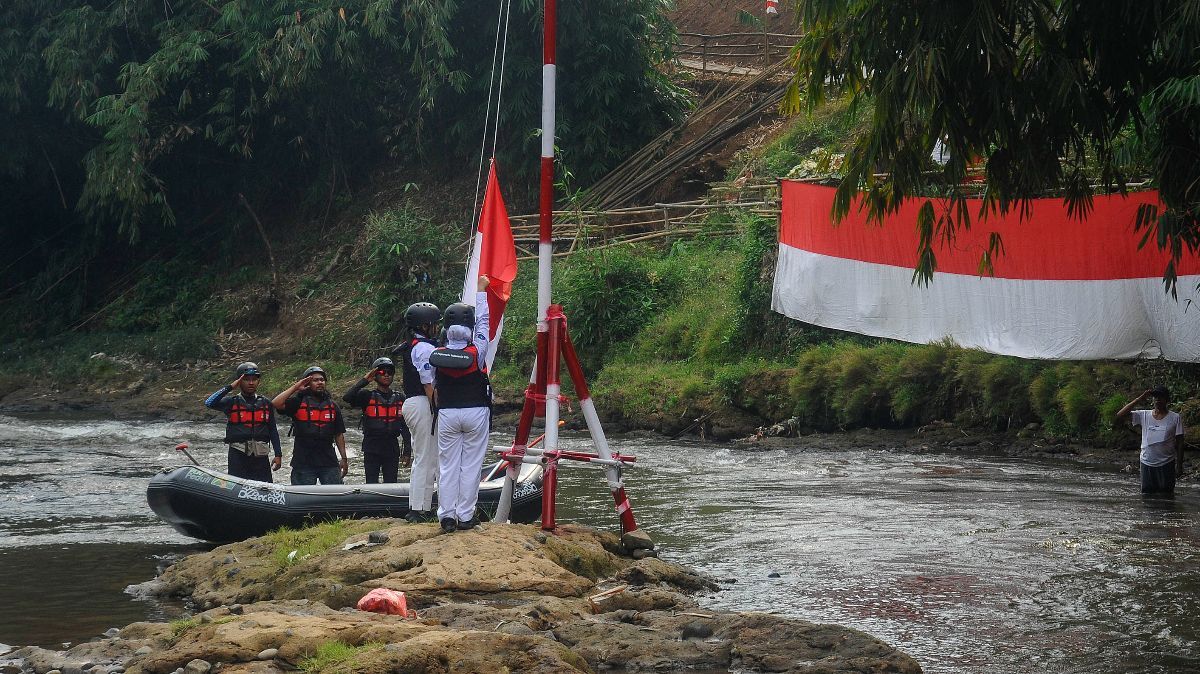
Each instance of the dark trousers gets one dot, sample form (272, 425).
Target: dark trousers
(249, 467)
(310, 474)
(1158, 479)
(381, 454)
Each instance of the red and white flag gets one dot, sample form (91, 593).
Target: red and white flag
(772, 6)
(1063, 288)
(494, 255)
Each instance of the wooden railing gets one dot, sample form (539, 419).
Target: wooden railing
(763, 48)
(663, 223)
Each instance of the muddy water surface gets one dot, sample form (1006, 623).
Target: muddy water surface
(970, 564)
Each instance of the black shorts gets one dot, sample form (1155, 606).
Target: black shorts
(1158, 479)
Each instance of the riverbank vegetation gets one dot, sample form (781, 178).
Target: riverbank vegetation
(677, 337)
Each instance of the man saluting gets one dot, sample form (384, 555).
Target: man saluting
(249, 426)
(382, 422)
(1162, 441)
(318, 425)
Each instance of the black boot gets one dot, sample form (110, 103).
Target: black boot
(449, 525)
(468, 524)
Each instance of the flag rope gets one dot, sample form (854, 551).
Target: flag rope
(498, 53)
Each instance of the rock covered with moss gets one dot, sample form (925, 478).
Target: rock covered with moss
(501, 598)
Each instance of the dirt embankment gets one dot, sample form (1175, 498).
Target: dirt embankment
(502, 598)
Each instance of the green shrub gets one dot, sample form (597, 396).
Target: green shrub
(408, 260)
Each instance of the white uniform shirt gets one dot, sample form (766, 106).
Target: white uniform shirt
(420, 359)
(1158, 436)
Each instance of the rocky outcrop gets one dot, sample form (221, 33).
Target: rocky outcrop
(501, 598)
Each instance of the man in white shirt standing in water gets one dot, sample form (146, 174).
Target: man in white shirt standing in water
(1162, 441)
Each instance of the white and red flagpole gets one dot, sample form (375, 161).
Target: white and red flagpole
(554, 341)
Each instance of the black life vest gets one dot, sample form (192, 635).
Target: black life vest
(381, 414)
(315, 418)
(248, 420)
(411, 382)
(468, 387)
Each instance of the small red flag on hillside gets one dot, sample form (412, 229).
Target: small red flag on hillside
(495, 255)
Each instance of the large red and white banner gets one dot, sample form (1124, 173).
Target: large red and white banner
(1063, 288)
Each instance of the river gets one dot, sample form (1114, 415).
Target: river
(968, 563)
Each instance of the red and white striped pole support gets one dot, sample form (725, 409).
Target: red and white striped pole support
(612, 471)
(556, 328)
(549, 489)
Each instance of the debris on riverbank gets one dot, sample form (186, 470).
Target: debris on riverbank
(502, 598)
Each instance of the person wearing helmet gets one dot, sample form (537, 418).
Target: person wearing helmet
(249, 426)
(382, 421)
(464, 404)
(422, 321)
(318, 425)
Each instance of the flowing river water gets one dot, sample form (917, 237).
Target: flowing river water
(968, 563)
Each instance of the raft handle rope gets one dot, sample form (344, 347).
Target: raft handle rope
(183, 447)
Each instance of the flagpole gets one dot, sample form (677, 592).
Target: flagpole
(547, 383)
(537, 378)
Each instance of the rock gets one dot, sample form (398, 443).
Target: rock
(642, 553)
(516, 628)
(54, 671)
(237, 609)
(531, 591)
(197, 666)
(87, 664)
(10, 669)
(774, 574)
(112, 632)
(144, 650)
(696, 630)
(637, 539)
(378, 537)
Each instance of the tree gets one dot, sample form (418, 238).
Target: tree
(1066, 97)
(140, 123)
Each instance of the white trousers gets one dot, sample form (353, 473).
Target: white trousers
(462, 436)
(425, 452)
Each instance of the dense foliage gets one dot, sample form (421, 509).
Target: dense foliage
(1055, 96)
(133, 127)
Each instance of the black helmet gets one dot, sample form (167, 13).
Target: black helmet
(384, 363)
(459, 314)
(421, 313)
(248, 369)
(315, 369)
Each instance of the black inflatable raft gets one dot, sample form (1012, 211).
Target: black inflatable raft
(220, 508)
